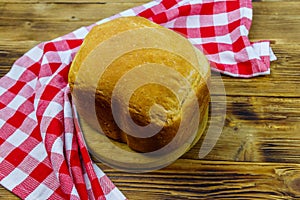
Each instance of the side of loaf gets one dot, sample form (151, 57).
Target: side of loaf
(143, 98)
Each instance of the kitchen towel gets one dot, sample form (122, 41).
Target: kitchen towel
(42, 151)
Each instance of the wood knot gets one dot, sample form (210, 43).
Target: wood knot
(74, 18)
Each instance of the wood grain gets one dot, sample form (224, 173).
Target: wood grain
(257, 155)
(194, 179)
(258, 129)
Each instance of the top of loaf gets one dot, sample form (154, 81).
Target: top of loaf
(100, 33)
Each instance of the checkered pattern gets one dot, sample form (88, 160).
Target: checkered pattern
(42, 152)
(219, 28)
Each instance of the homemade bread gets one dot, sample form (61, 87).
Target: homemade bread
(108, 79)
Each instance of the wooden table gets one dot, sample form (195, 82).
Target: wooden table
(258, 153)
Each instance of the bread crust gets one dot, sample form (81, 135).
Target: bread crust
(144, 97)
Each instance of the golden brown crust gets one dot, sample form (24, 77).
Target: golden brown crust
(143, 98)
(102, 32)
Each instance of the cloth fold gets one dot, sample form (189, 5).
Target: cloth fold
(42, 150)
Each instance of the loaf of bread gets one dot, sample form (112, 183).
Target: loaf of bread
(132, 66)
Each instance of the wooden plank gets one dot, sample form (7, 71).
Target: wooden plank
(257, 129)
(37, 30)
(192, 179)
(259, 8)
(277, 7)
(42, 19)
(63, 11)
(47, 21)
(282, 29)
(5, 194)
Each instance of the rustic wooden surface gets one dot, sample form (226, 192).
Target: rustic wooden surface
(258, 153)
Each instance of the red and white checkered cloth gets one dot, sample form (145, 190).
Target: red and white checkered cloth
(42, 152)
